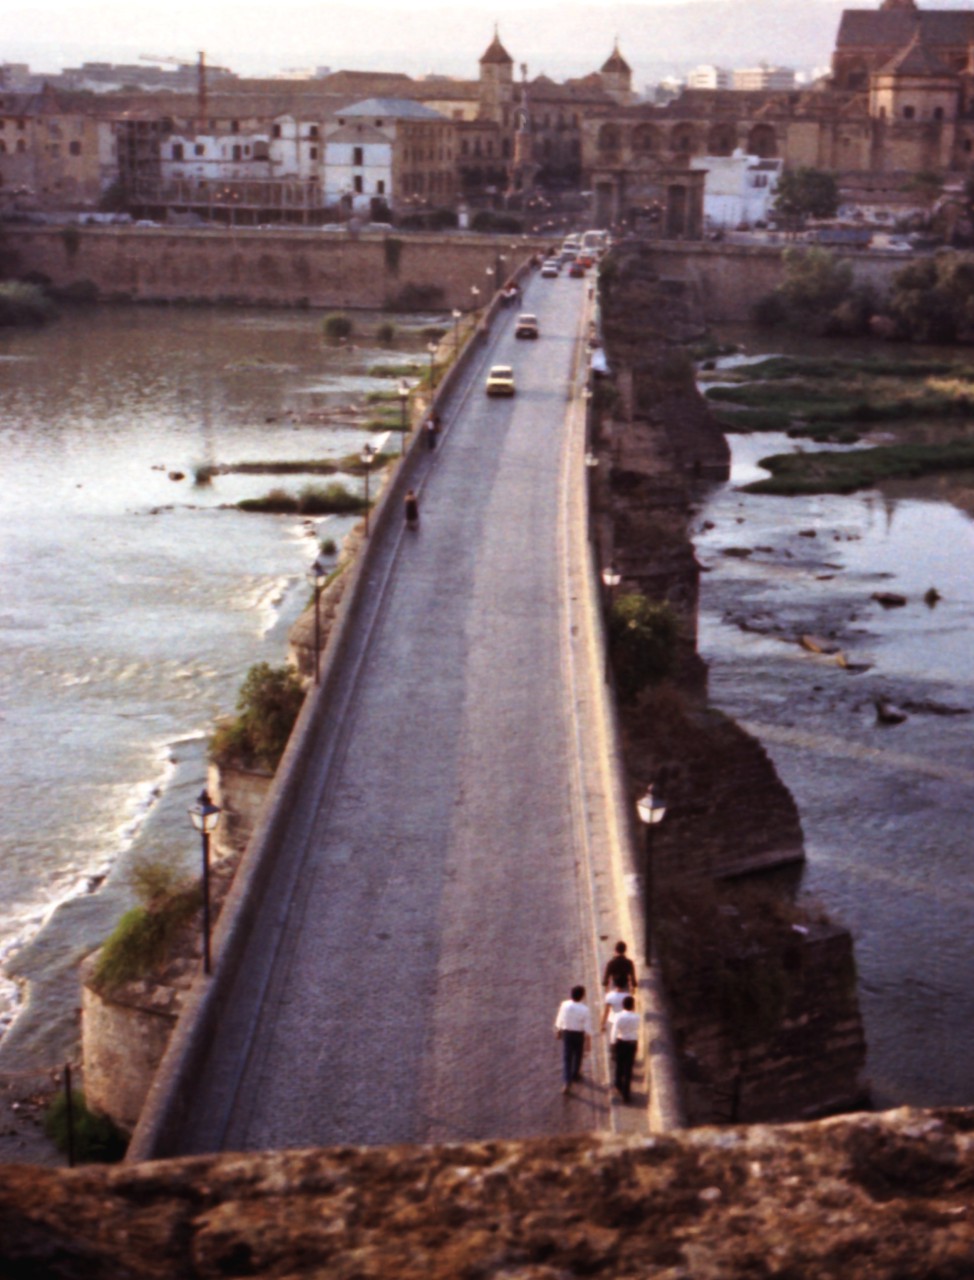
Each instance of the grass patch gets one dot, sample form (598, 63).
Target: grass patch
(304, 466)
(401, 370)
(353, 465)
(337, 326)
(828, 472)
(744, 421)
(144, 936)
(96, 1139)
(268, 704)
(333, 499)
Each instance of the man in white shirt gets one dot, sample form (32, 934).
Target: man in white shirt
(573, 1027)
(625, 1037)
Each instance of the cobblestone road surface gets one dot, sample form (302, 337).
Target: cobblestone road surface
(438, 895)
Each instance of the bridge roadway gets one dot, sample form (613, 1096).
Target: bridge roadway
(444, 881)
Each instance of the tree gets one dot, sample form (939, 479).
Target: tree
(815, 281)
(642, 643)
(806, 193)
(932, 300)
(268, 704)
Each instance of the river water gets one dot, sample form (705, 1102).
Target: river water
(886, 808)
(132, 603)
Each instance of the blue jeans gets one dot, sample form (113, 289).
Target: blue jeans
(573, 1049)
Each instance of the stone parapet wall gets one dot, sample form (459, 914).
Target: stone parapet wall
(857, 1198)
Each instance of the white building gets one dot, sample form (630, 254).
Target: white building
(707, 76)
(391, 150)
(737, 189)
(765, 79)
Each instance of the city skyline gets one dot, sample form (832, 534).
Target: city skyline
(559, 41)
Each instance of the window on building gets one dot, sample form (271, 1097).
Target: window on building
(234, 126)
(21, 146)
(177, 151)
(357, 184)
(198, 149)
(237, 151)
(313, 153)
(74, 148)
(938, 113)
(275, 131)
(21, 125)
(464, 147)
(312, 131)
(3, 147)
(378, 124)
(909, 113)
(380, 187)
(358, 155)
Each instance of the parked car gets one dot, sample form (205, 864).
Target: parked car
(526, 326)
(500, 380)
(550, 269)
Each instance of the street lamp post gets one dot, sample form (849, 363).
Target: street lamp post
(205, 815)
(491, 282)
(611, 577)
(457, 313)
(591, 463)
(316, 576)
(499, 262)
(432, 348)
(403, 392)
(475, 295)
(652, 810)
(368, 457)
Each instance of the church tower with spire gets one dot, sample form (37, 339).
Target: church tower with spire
(497, 84)
(616, 76)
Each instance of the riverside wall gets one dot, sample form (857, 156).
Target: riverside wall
(372, 270)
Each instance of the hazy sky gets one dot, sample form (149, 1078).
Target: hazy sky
(556, 37)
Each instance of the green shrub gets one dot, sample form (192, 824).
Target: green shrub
(269, 702)
(23, 304)
(96, 1138)
(432, 332)
(328, 547)
(337, 326)
(386, 332)
(642, 643)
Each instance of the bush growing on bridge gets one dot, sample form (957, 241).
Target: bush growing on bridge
(144, 936)
(642, 643)
(267, 707)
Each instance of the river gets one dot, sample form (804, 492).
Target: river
(133, 602)
(885, 807)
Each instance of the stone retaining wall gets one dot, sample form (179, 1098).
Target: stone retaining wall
(295, 268)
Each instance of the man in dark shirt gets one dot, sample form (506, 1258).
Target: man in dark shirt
(620, 971)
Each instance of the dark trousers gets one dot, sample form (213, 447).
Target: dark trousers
(625, 1057)
(573, 1050)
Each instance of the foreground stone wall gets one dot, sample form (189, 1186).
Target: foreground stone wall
(861, 1198)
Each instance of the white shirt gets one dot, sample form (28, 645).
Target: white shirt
(625, 1025)
(573, 1016)
(613, 1002)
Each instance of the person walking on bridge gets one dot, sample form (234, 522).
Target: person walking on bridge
(573, 1027)
(620, 971)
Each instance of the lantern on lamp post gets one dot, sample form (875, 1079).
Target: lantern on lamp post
(652, 810)
(205, 815)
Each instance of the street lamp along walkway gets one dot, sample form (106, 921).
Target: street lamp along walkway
(368, 457)
(652, 810)
(403, 393)
(205, 815)
(316, 576)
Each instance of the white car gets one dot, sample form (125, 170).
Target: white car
(550, 269)
(500, 380)
(526, 326)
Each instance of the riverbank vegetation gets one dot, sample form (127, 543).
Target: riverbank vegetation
(24, 304)
(268, 705)
(144, 936)
(908, 418)
(313, 500)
